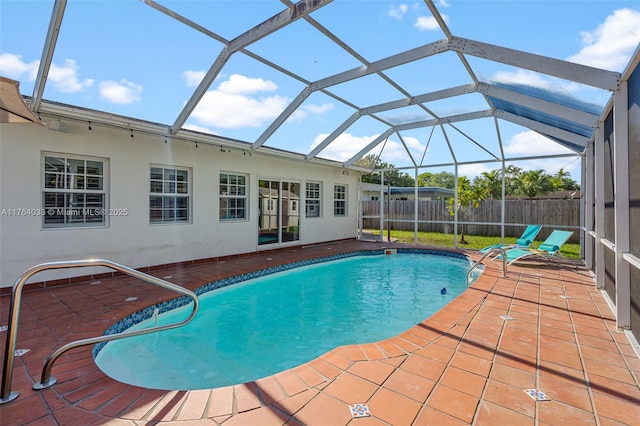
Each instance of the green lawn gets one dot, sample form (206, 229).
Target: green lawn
(570, 251)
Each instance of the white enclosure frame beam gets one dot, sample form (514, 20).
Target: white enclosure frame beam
(369, 147)
(545, 129)
(564, 112)
(290, 109)
(337, 132)
(374, 67)
(599, 194)
(47, 53)
(445, 120)
(416, 125)
(416, 195)
(503, 180)
(382, 212)
(405, 57)
(588, 203)
(621, 205)
(455, 206)
(567, 113)
(558, 68)
(282, 19)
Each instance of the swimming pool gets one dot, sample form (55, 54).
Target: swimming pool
(272, 320)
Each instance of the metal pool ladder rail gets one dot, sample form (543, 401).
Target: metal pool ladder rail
(12, 328)
(500, 250)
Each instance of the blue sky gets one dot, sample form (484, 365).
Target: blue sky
(127, 58)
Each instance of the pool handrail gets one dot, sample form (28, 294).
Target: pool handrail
(14, 310)
(490, 251)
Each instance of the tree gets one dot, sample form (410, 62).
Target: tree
(490, 183)
(512, 180)
(535, 182)
(469, 197)
(438, 180)
(368, 161)
(393, 177)
(562, 181)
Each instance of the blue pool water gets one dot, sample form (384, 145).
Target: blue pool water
(266, 325)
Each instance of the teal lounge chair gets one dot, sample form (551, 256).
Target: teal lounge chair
(549, 247)
(524, 241)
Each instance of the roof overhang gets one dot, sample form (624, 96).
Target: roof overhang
(13, 109)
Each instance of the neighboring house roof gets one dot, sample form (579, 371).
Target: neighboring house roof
(557, 195)
(421, 190)
(366, 186)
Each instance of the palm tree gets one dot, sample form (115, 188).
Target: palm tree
(562, 181)
(535, 182)
(490, 183)
(512, 181)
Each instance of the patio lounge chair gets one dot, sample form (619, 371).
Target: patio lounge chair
(549, 247)
(523, 242)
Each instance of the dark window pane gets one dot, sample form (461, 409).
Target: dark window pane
(54, 164)
(169, 174)
(94, 168)
(76, 166)
(156, 173)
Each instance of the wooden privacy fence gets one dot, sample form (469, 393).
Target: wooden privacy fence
(551, 214)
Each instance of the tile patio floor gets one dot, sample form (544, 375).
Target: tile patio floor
(464, 365)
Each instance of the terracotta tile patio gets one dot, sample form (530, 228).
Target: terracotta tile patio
(466, 364)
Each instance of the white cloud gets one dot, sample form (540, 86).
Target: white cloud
(443, 3)
(200, 129)
(530, 78)
(530, 143)
(65, 78)
(473, 170)
(429, 23)
(609, 47)
(235, 104)
(611, 44)
(398, 12)
(343, 147)
(347, 145)
(552, 165)
(318, 109)
(14, 67)
(121, 93)
(525, 77)
(193, 78)
(240, 84)
(306, 110)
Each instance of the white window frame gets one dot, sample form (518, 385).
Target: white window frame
(232, 192)
(313, 199)
(65, 196)
(168, 196)
(340, 192)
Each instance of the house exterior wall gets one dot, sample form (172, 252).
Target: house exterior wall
(128, 237)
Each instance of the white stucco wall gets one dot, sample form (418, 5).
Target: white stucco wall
(130, 239)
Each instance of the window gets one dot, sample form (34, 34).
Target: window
(233, 196)
(74, 191)
(312, 206)
(169, 195)
(339, 200)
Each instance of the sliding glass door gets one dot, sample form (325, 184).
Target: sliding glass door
(279, 211)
